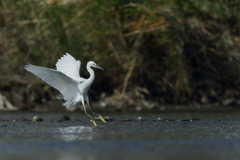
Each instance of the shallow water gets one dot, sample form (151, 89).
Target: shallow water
(214, 136)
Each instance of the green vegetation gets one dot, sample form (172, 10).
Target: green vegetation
(170, 51)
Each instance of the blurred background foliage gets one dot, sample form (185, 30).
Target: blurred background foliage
(153, 51)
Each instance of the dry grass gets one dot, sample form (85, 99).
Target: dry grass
(176, 51)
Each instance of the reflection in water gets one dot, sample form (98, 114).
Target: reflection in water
(74, 133)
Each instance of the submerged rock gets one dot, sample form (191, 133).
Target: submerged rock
(37, 119)
(163, 119)
(21, 119)
(185, 120)
(192, 119)
(196, 119)
(171, 120)
(108, 119)
(24, 119)
(64, 118)
(126, 120)
(139, 118)
(160, 119)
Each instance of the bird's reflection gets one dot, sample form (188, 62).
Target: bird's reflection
(74, 133)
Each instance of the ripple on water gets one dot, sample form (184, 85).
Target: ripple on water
(74, 133)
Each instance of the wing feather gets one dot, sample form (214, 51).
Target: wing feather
(69, 66)
(66, 85)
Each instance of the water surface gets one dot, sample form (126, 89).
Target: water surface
(214, 136)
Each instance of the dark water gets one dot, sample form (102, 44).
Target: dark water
(214, 136)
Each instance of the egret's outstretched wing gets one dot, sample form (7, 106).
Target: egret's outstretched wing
(66, 85)
(69, 66)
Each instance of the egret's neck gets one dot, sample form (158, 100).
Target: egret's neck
(92, 74)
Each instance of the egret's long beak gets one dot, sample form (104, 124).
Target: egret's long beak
(99, 67)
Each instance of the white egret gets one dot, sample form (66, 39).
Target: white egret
(67, 80)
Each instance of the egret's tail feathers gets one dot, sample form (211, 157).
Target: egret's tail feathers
(60, 97)
(68, 103)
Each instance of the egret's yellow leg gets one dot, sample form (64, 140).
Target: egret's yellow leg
(88, 114)
(93, 122)
(100, 117)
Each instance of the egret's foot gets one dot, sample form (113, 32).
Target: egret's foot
(100, 117)
(93, 122)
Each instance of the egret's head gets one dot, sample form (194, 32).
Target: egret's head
(93, 64)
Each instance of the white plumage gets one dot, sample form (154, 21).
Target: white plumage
(69, 66)
(67, 80)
